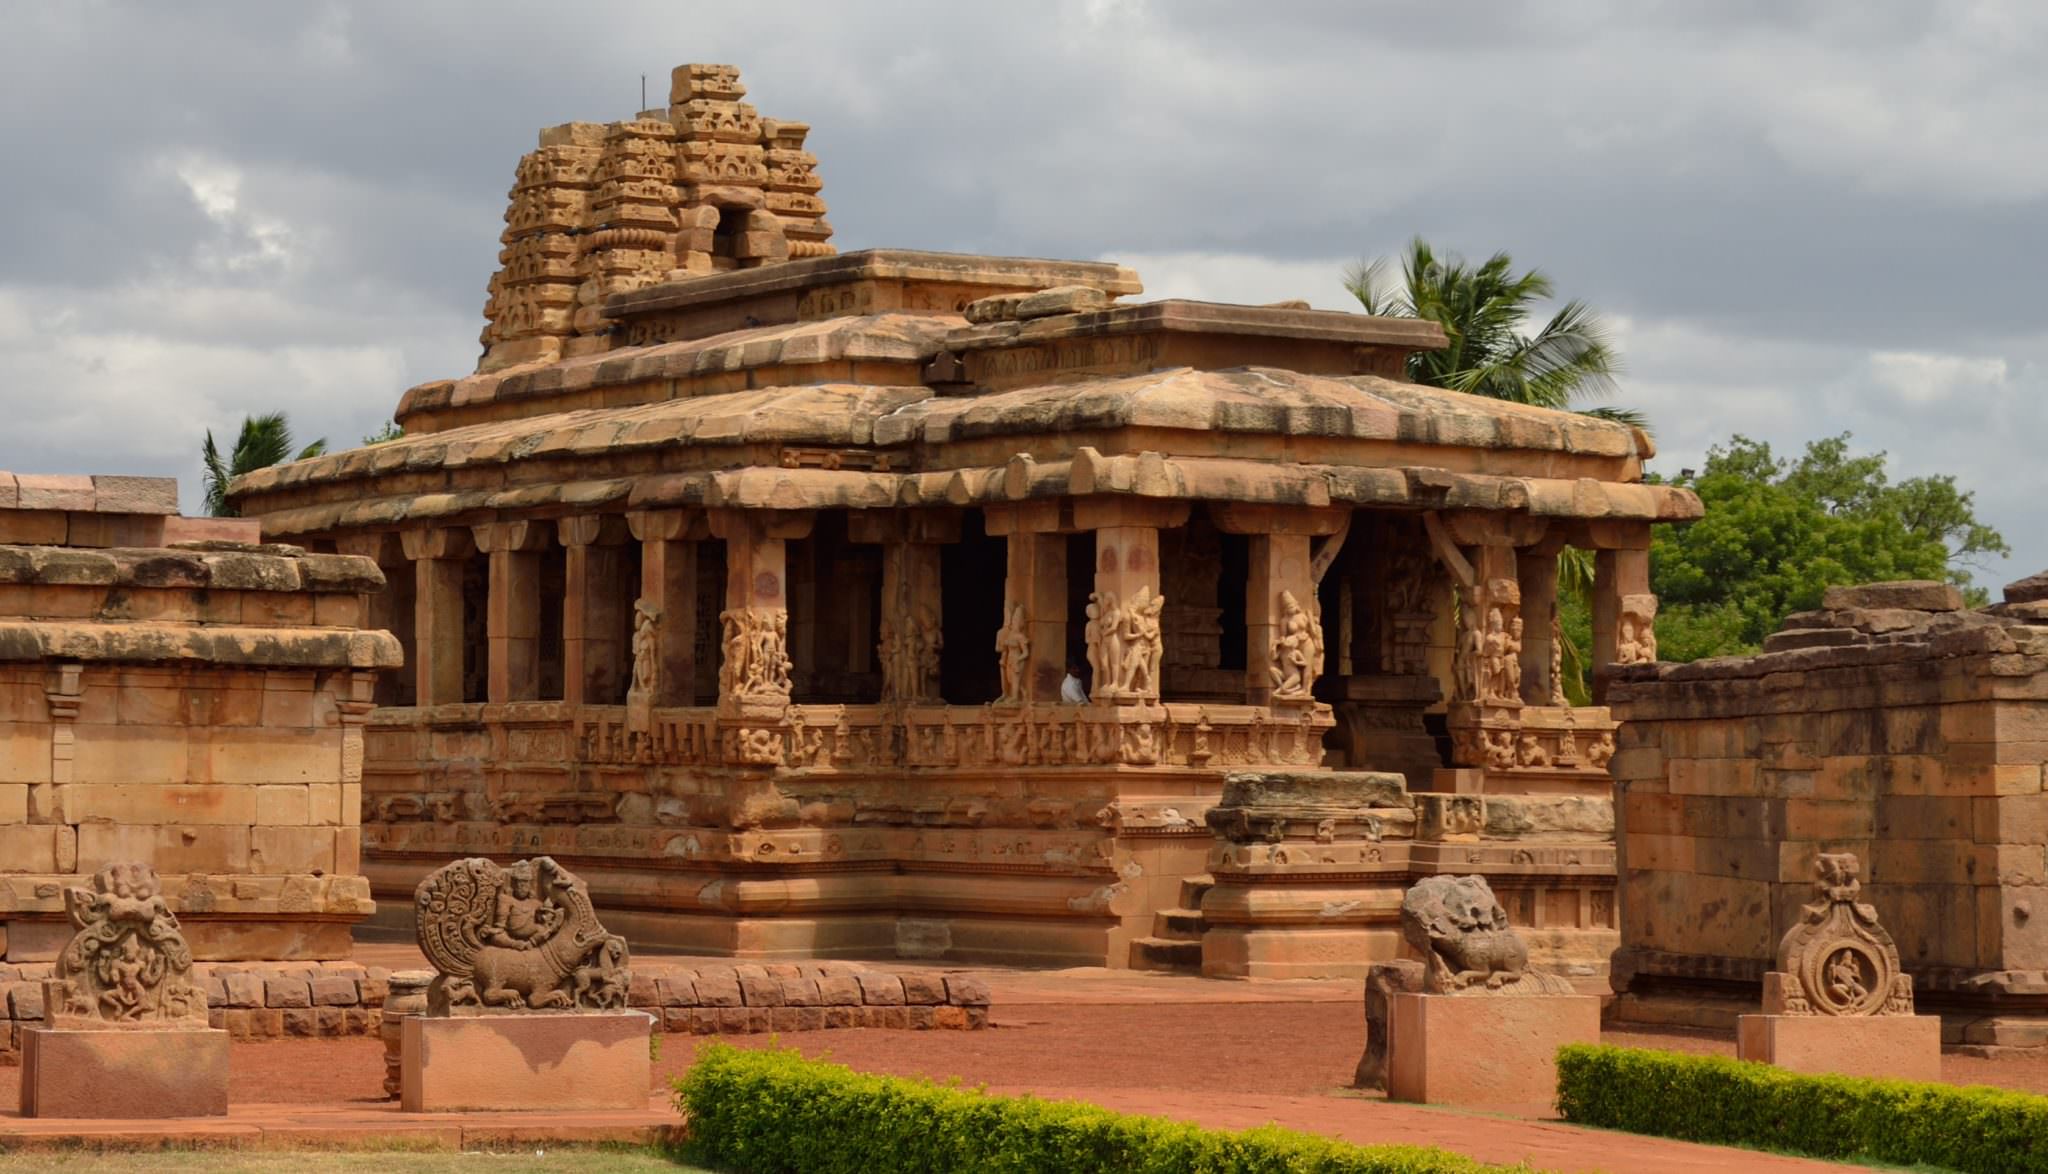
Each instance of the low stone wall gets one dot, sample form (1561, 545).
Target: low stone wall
(305, 1000)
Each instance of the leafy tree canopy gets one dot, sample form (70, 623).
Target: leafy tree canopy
(1779, 532)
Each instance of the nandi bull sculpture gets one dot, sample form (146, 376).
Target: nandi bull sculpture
(523, 938)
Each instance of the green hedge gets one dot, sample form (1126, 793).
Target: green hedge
(763, 1112)
(1715, 1099)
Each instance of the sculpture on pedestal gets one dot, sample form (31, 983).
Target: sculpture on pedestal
(1466, 943)
(1838, 960)
(128, 965)
(516, 939)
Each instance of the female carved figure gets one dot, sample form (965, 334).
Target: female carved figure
(1013, 650)
(646, 646)
(1105, 651)
(1297, 649)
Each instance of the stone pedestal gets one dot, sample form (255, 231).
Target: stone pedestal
(525, 1061)
(1483, 1049)
(1885, 1047)
(68, 1072)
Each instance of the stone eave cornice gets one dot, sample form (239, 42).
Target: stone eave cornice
(214, 567)
(1089, 473)
(236, 645)
(920, 265)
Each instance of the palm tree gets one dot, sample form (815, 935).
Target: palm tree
(264, 441)
(1484, 310)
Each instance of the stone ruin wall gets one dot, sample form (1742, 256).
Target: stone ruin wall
(174, 693)
(604, 208)
(1891, 724)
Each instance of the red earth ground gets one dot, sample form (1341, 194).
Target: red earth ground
(1223, 1054)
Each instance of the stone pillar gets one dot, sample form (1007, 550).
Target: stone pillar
(1127, 591)
(390, 610)
(754, 641)
(1280, 573)
(513, 613)
(1035, 576)
(668, 582)
(912, 628)
(437, 556)
(1536, 571)
(1621, 591)
(595, 619)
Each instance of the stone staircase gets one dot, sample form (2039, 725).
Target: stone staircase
(1176, 942)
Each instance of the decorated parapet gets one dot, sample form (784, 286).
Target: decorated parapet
(1466, 944)
(1838, 960)
(128, 965)
(523, 938)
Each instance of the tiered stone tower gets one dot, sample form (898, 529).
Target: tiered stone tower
(604, 208)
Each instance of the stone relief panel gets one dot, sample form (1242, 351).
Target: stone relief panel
(1635, 640)
(524, 938)
(1838, 960)
(1297, 650)
(755, 651)
(1125, 644)
(128, 966)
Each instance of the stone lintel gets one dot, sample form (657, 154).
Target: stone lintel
(1243, 518)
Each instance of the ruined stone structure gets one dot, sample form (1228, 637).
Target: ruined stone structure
(749, 593)
(1891, 724)
(187, 702)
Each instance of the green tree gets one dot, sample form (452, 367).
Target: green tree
(390, 431)
(263, 441)
(1778, 532)
(1485, 311)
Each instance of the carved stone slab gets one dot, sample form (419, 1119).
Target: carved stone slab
(518, 939)
(1838, 960)
(128, 967)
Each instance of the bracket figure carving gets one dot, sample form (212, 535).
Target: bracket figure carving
(524, 938)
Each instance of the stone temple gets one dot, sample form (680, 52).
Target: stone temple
(746, 577)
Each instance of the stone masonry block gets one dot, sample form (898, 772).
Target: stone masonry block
(759, 990)
(923, 988)
(966, 991)
(800, 992)
(243, 990)
(839, 990)
(676, 990)
(717, 988)
(287, 992)
(881, 990)
(333, 992)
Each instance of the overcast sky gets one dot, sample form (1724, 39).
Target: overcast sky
(1800, 218)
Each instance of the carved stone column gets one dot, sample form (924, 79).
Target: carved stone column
(911, 628)
(437, 556)
(595, 610)
(1035, 578)
(1126, 636)
(513, 612)
(1536, 574)
(1283, 621)
(389, 610)
(754, 641)
(1624, 610)
(668, 583)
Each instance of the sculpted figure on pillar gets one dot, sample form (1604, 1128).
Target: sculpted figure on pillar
(1469, 665)
(756, 652)
(1635, 639)
(1013, 652)
(128, 965)
(1105, 651)
(1297, 650)
(515, 939)
(1139, 640)
(646, 648)
(909, 646)
(1557, 696)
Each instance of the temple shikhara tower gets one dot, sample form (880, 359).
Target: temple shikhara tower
(743, 577)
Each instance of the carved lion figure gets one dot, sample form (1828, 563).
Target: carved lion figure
(1463, 935)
